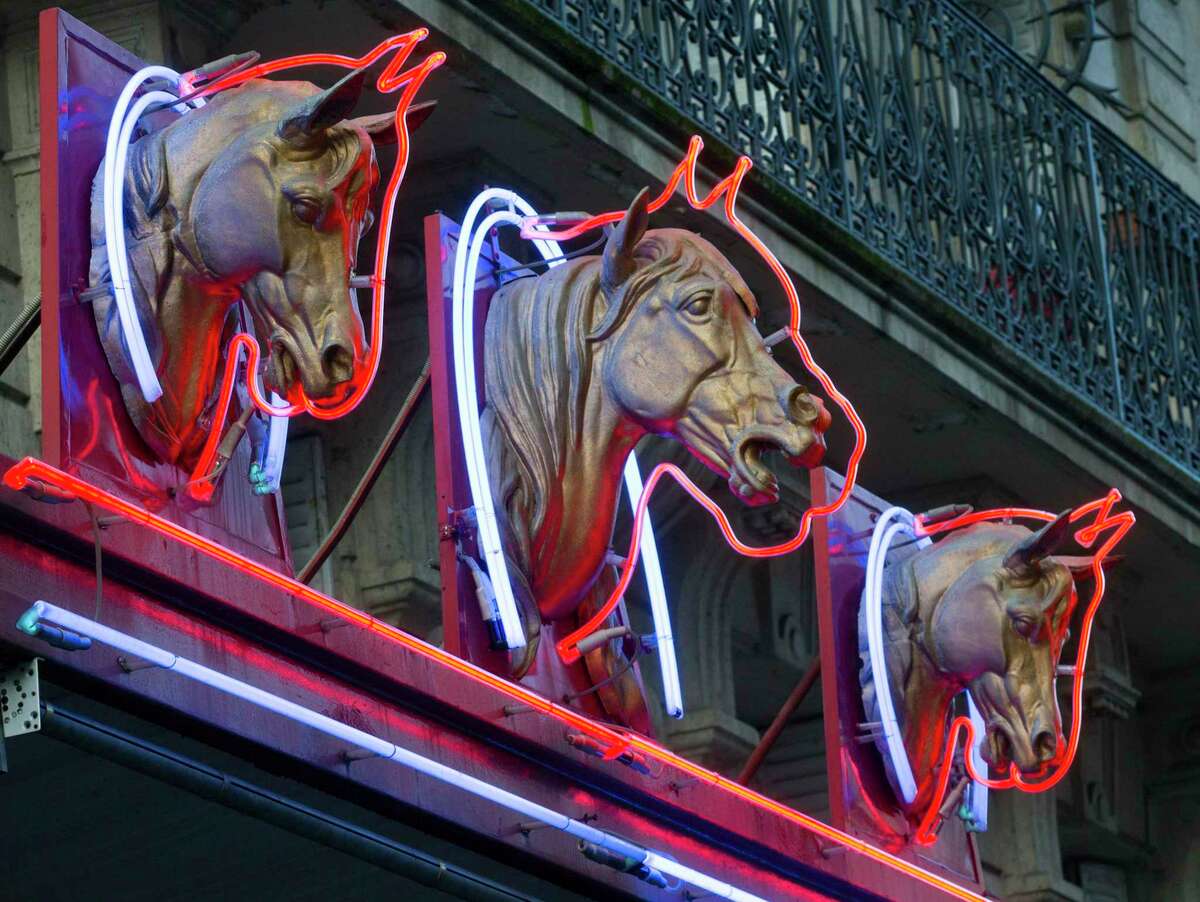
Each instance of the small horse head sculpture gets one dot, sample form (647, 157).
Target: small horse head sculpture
(261, 194)
(986, 609)
(655, 336)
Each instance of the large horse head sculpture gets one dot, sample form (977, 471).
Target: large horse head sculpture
(984, 609)
(261, 194)
(655, 336)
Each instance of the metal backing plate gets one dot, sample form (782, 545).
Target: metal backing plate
(20, 702)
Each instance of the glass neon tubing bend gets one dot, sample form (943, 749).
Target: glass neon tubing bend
(116, 147)
(727, 188)
(881, 539)
(385, 749)
(466, 265)
(389, 81)
(1053, 771)
(617, 741)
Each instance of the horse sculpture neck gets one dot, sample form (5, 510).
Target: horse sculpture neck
(557, 460)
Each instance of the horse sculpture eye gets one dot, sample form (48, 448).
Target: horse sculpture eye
(698, 304)
(1025, 625)
(306, 210)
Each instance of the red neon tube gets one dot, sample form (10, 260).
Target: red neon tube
(29, 469)
(727, 188)
(390, 80)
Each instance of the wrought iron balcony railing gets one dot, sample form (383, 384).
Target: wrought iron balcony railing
(913, 128)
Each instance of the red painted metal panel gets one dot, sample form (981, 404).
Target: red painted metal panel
(672, 796)
(86, 429)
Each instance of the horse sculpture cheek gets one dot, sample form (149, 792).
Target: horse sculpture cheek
(651, 368)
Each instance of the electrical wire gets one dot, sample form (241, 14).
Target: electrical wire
(570, 697)
(369, 478)
(570, 255)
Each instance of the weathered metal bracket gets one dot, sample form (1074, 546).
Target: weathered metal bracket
(20, 704)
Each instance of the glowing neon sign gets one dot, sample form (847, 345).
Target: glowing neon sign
(390, 80)
(1052, 772)
(466, 266)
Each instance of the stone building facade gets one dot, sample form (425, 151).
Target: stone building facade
(952, 419)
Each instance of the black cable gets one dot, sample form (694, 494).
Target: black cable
(367, 482)
(17, 335)
(570, 255)
(604, 682)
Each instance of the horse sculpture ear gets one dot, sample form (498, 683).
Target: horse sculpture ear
(1039, 546)
(313, 116)
(618, 263)
(382, 128)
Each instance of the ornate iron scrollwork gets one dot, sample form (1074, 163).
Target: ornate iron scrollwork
(913, 127)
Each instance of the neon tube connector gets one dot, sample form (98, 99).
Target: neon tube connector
(642, 862)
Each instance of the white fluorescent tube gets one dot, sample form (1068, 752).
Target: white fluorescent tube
(383, 749)
(668, 666)
(881, 539)
(272, 462)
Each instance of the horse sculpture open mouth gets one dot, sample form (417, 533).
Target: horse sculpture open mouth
(742, 458)
(750, 478)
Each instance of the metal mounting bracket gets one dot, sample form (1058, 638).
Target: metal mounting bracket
(20, 700)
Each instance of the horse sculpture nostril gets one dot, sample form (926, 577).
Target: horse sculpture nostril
(805, 408)
(1045, 745)
(337, 362)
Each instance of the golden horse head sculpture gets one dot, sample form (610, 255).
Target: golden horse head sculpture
(984, 609)
(262, 194)
(657, 336)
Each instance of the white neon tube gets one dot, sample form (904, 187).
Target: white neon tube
(881, 539)
(668, 666)
(463, 328)
(384, 749)
(120, 129)
(466, 268)
(978, 800)
(272, 462)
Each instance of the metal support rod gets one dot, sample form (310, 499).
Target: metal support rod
(239, 795)
(781, 720)
(17, 335)
(369, 478)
